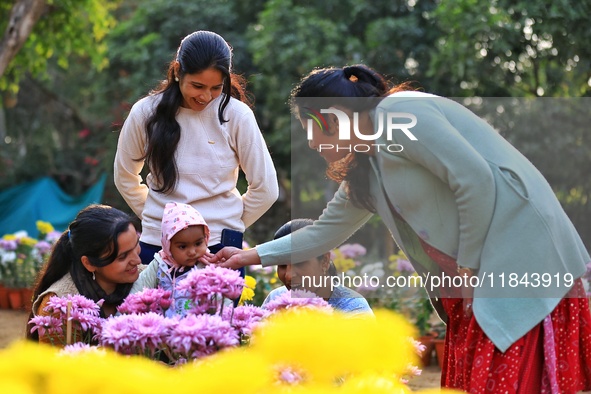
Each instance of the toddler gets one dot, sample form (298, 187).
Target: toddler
(184, 241)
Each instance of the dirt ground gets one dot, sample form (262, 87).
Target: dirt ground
(430, 378)
(12, 327)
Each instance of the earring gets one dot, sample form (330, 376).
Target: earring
(176, 79)
(93, 276)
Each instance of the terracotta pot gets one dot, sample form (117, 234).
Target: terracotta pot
(427, 355)
(4, 303)
(15, 298)
(27, 295)
(439, 351)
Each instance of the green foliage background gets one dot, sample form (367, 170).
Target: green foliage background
(88, 61)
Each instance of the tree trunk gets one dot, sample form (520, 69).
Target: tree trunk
(24, 15)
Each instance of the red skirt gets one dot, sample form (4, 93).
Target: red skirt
(553, 357)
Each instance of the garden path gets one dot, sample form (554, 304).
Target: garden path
(12, 326)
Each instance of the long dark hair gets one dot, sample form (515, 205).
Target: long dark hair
(296, 224)
(197, 52)
(347, 83)
(93, 234)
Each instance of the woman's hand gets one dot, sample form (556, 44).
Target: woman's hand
(467, 290)
(231, 257)
(468, 296)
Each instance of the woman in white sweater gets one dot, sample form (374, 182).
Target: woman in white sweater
(194, 132)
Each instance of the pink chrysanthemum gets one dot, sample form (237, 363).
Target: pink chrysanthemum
(212, 280)
(77, 348)
(245, 318)
(297, 299)
(8, 245)
(413, 370)
(419, 347)
(149, 331)
(404, 265)
(53, 236)
(84, 315)
(136, 334)
(290, 376)
(147, 300)
(263, 270)
(200, 335)
(115, 334)
(204, 304)
(351, 251)
(59, 305)
(43, 247)
(85, 321)
(46, 325)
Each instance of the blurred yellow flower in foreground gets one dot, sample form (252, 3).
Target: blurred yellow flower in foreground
(333, 353)
(329, 346)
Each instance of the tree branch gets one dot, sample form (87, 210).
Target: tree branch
(23, 17)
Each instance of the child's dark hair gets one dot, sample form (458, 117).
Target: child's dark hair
(93, 234)
(197, 52)
(359, 88)
(295, 225)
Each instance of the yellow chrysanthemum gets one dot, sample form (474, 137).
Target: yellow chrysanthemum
(91, 368)
(370, 353)
(28, 241)
(374, 383)
(247, 295)
(235, 370)
(9, 237)
(342, 263)
(44, 227)
(250, 282)
(328, 346)
(47, 371)
(14, 387)
(393, 259)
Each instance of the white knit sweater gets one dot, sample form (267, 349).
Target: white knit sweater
(208, 157)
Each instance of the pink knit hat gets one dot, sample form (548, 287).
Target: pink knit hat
(177, 217)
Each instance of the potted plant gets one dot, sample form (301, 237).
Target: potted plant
(423, 312)
(439, 342)
(5, 273)
(21, 258)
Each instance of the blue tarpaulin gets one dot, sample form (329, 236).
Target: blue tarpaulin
(22, 205)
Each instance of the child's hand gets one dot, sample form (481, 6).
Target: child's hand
(206, 258)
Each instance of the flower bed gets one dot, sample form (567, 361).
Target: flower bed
(296, 342)
(21, 258)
